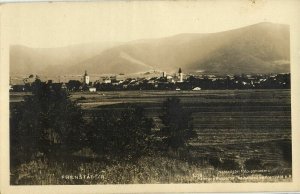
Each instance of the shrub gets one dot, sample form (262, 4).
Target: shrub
(46, 122)
(125, 133)
(177, 128)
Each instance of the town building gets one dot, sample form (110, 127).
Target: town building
(86, 78)
(180, 75)
(196, 88)
(107, 81)
(92, 89)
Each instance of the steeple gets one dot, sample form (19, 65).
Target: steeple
(179, 71)
(86, 78)
(180, 75)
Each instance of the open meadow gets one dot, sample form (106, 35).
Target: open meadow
(231, 124)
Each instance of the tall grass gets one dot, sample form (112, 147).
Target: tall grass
(148, 170)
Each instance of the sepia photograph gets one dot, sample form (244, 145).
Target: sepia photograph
(150, 93)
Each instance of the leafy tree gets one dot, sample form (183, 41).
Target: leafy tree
(177, 128)
(122, 134)
(74, 85)
(46, 122)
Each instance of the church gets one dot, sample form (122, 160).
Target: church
(86, 78)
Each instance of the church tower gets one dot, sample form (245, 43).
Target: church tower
(180, 75)
(86, 78)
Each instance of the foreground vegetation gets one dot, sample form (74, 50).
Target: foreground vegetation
(147, 169)
(53, 143)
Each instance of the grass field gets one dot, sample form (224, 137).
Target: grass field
(235, 125)
(230, 123)
(232, 114)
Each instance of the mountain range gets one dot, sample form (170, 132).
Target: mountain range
(259, 48)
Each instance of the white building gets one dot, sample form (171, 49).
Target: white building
(92, 89)
(169, 77)
(107, 81)
(196, 88)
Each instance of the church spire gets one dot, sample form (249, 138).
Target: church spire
(179, 71)
(86, 78)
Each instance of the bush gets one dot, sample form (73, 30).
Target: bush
(177, 128)
(47, 122)
(125, 133)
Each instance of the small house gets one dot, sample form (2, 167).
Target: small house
(196, 89)
(92, 89)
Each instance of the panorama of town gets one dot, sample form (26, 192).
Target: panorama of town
(164, 81)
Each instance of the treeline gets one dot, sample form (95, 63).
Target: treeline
(279, 81)
(47, 124)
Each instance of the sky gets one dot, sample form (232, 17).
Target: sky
(46, 25)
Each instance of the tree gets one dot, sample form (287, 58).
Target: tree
(177, 128)
(122, 134)
(74, 85)
(46, 122)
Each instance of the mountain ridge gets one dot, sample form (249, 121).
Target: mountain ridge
(258, 48)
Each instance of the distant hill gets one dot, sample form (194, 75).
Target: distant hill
(259, 48)
(51, 61)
